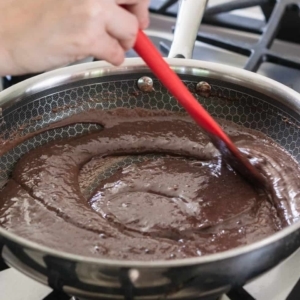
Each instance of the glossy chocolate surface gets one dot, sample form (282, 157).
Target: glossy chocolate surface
(179, 201)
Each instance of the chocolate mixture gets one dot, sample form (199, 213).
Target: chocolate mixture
(173, 197)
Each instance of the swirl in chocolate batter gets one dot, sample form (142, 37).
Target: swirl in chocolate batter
(180, 201)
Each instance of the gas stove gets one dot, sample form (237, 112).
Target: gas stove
(261, 36)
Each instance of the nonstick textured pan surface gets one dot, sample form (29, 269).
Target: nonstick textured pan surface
(33, 114)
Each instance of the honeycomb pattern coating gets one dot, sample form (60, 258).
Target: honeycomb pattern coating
(241, 108)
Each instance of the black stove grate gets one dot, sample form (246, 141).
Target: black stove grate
(282, 21)
(294, 294)
(55, 295)
(3, 266)
(235, 294)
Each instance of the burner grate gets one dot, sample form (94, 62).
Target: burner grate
(281, 17)
(239, 294)
(234, 294)
(294, 294)
(3, 266)
(55, 295)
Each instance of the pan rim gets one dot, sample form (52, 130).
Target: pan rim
(235, 75)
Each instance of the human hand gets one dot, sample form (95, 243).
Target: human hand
(36, 36)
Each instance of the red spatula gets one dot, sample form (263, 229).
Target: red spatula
(172, 82)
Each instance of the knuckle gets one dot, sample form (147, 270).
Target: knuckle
(126, 2)
(133, 29)
(91, 9)
(144, 22)
(115, 50)
(109, 50)
(128, 44)
(116, 55)
(145, 3)
(132, 2)
(130, 34)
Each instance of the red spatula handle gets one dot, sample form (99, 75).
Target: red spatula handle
(172, 82)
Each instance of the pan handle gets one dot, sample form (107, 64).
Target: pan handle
(187, 25)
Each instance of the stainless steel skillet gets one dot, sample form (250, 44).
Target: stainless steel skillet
(243, 97)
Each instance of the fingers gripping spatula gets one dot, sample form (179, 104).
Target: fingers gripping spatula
(172, 82)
